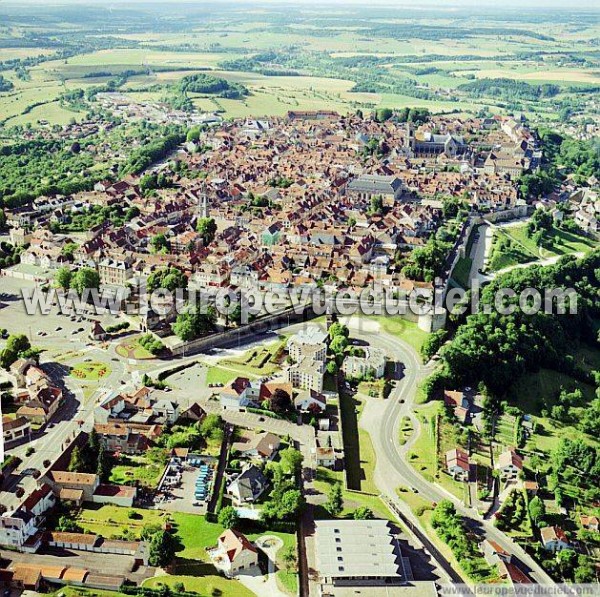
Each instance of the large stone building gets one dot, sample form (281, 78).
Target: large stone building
(431, 145)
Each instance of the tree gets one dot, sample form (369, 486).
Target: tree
(287, 507)
(335, 501)
(338, 329)
(433, 343)
(338, 345)
(228, 517)
(162, 549)
(103, 467)
(67, 525)
(331, 367)
(85, 278)
(160, 244)
(169, 278)
(206, 228)
(211, 425)
(69, 249)
(537, 510)
(363, 513)
(376, 205)
(2, 219)
(18, 343)
(290, 559)
(290, 461)
(383, 114)
(280, 401)
(192, 323)
(76, 463)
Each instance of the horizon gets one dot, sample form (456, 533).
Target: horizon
(422, 4)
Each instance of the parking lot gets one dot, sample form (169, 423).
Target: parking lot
(181, 496)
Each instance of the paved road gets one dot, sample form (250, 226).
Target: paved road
(393, 470)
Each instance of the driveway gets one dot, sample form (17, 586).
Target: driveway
(265, 585)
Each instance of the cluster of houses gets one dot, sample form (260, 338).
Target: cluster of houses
(22, 524)
(35, 393)
(292, 200)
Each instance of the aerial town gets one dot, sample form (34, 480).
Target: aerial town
(243, 458)
(284, 315)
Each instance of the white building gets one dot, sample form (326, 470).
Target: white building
(233, 553)
(372, 364)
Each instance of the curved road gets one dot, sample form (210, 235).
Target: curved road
(392, 469)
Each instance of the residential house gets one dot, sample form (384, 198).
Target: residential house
(114, 272)
(589, 523)
(457, 464)
(326, 457)
(263, 446)
(233, 554)
(15, 429)
(554, 539)
(240, 393)
(248, 486)
(310, 401)
(459, 403)
(73, 487)
(509, 465)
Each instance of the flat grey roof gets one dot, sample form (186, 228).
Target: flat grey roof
(353, 548)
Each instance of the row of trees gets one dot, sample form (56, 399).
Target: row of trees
(91, 458)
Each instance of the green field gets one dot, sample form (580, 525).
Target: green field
(406, 330)
(561, 242)
(136, 469)
(310, 59)
(111, 521)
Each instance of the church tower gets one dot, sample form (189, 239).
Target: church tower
(203, 210)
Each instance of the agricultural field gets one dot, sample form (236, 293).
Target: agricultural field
(368, 59)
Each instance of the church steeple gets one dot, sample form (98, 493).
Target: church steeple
(203, 204)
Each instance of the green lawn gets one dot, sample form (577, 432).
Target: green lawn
(536, 391)
(359, 454)
(422, 455)
(203, 582)
(90, 371)
(402, 328)
(506, 252)
(131, 349)
(461, 272)
(136, 468)
(217, 374)
(108, 520)
(196, 534)
(562, 242)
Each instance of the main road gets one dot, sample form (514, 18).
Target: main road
(392, 469)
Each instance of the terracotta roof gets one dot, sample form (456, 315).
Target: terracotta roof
(234, 543)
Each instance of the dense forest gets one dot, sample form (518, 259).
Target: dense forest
(203, 83)
(497, 349)
(508, 89)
